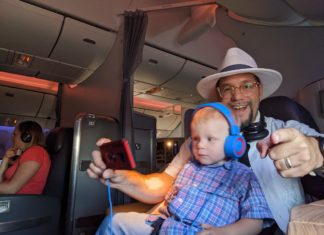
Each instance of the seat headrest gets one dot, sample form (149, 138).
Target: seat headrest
(187, 121)
(55, 139)
(284, 108)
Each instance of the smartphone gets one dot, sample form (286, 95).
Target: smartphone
(117, 155)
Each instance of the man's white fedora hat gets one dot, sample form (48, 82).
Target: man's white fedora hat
(237, 61)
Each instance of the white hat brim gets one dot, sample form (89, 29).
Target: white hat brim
(269, 78)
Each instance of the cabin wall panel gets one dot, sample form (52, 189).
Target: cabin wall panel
(99, 94)
(145, 142)
(47, 110)
(309, 97)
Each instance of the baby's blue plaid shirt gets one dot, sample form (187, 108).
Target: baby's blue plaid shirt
(214, 194)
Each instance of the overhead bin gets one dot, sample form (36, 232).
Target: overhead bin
(87, 45)
(47, 107)
(189, 76)
(15, 101)
(27, 28)
(162, 74)
(55, 47)
(157, 66)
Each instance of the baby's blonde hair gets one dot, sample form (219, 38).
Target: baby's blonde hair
(205, 114)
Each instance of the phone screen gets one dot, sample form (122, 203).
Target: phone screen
(117, 155)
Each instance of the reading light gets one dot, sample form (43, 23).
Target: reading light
(23, 60)
(72, 85)
(154, 90)
(169, 144)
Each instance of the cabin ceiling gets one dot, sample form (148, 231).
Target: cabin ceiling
(185, 40)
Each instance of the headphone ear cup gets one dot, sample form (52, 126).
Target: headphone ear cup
(26, 137)
(234, 146)
(256, 130)
(257, 134)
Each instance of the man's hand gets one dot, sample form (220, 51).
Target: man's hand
(97, 167)
(98, 170)
(293, 153)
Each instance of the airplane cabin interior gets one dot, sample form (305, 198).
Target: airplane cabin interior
(62, 64)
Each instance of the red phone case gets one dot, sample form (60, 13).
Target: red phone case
(117, 155)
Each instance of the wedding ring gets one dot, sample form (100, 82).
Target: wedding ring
(288, 163)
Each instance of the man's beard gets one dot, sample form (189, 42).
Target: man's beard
(247, 122)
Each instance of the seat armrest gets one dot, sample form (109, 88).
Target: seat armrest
(29, 214)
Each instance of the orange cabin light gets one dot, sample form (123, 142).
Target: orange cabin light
(26, 82)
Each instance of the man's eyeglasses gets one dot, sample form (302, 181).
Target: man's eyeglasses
(226, 91)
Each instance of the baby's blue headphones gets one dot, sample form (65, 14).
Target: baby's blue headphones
(235, 144)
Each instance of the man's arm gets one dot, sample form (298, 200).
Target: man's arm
(150, 188)
(242, 227)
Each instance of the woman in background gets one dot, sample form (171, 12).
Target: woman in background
(27, 173)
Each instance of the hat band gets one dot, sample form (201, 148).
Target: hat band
(235, 67)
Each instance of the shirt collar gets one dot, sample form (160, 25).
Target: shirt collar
(257, 118)
(227, 165)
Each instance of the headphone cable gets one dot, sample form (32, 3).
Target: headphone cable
(108, 220)
(110, 207)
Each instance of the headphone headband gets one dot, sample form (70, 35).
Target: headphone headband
(233, 128)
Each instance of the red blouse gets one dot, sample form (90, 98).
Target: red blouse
(37, 183)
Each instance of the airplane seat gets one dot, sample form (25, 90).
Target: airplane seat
(88, 198)
(59, 143)
(284, 108)
(42, 214)
(59, 146)
(187, 121)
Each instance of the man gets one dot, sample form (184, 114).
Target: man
(288, 153)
